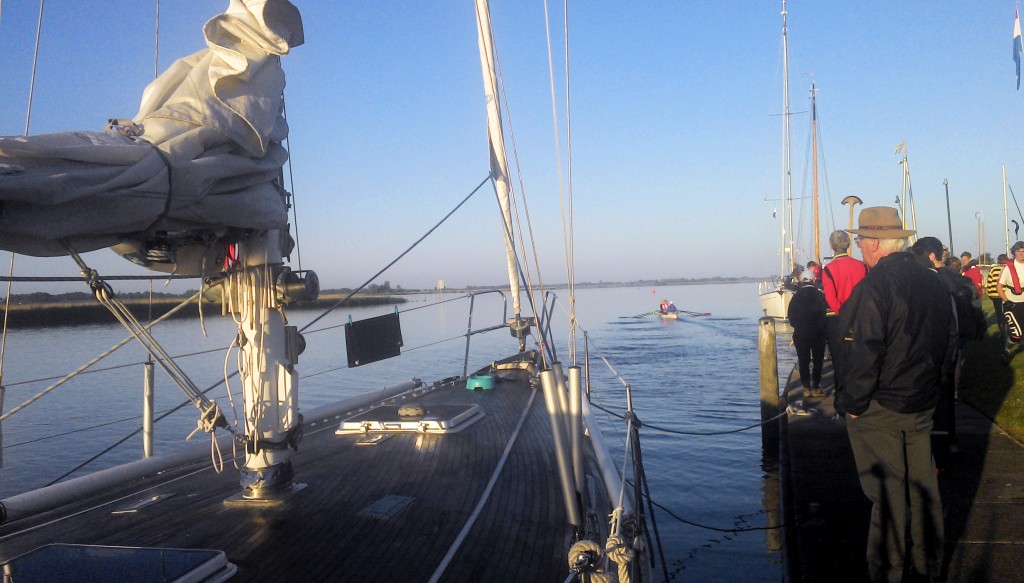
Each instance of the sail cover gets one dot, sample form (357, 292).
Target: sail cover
(202, 155)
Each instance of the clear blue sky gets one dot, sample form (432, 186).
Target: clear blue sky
(676, 133)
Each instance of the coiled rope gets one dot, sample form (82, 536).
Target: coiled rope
(584, 562)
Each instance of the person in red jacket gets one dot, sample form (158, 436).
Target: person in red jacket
(971, 271)
(838, 279)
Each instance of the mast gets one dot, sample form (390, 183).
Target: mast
(814, 144)
(499, 162)
(787, 180)
(1006, 217)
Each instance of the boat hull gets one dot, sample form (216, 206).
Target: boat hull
(775, 302)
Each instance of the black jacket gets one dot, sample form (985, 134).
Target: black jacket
(807, 313)
(900, 338)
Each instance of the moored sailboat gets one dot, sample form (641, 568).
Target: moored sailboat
(773, 294)
(433, 471)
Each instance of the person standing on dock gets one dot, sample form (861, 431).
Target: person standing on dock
(838, 280)
(992, 290)
(807, 317)
(971, 271)
(901, 337)
(1011, 292)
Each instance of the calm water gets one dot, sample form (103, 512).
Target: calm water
(694, 375)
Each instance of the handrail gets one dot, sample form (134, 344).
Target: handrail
(469, 325)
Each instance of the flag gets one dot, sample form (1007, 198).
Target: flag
(1016, 44)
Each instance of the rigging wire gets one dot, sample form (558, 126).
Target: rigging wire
(28, 122)
(89, 364)
(532, 291)
(396, 259)
(156, 43)
(566, 220)
(291, 186)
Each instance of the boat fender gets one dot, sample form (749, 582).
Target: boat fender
(3, 513)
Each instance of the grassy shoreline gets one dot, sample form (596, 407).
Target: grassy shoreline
(991, 387)
(54, 315)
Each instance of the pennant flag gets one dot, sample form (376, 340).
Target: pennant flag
(1016, 44)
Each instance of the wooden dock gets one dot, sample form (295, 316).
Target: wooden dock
(981, 480)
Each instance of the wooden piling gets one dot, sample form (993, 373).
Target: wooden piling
(768, 366)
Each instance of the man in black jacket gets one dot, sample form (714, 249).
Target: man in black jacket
(901, 338)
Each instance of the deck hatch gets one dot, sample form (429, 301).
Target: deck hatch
(435, 419)
(387, 507)
(87, 563)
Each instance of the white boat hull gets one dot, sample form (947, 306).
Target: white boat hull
(775, 302)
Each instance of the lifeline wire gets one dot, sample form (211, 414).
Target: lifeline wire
(396, 259)
(89, 364)
(680, 432)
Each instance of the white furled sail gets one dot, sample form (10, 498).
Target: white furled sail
(499, 162)
(201, 157)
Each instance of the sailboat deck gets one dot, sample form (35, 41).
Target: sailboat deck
(384, 512)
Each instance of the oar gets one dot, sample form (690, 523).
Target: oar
(642, 315)
(689, 313)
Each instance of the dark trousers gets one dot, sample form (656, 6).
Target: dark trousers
(837, 349)
(810, 354)
(997, 309)
(893, 455)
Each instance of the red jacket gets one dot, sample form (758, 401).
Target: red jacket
(974, 274)
(839, 278)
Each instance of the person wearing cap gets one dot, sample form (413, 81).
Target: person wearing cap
(992, 289)
(792, 281)
(1010, 291)
(900, 340)
(806, 314)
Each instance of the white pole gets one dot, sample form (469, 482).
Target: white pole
(1006, 214)
(147, 409)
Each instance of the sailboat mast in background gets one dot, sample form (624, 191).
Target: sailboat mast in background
(814, 145)
(788, 261)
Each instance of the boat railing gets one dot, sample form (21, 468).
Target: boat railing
(470, 332)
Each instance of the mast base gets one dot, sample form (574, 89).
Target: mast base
(279, 497)
(266, 485)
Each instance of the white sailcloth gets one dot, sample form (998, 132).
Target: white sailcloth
(202, 157)
(499, 163)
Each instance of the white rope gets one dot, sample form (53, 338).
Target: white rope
(616, 549)
(580, 558)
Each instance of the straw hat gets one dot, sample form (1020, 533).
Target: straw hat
(881, 222)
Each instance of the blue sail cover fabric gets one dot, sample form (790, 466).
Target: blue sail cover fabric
(201, 156)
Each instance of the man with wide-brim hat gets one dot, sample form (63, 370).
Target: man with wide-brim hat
(900, 338)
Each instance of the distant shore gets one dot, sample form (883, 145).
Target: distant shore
(49, 314)
(52, 315)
